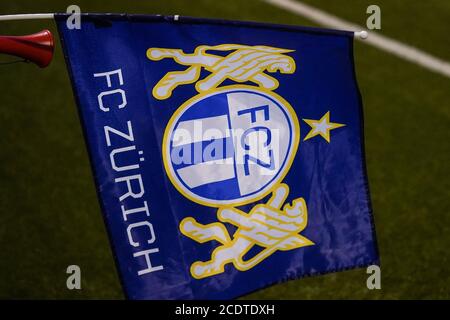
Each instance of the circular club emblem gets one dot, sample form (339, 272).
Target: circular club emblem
(230, 146)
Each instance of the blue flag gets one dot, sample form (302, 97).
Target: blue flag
(227, 156)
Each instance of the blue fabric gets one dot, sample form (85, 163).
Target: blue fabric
(330, 177)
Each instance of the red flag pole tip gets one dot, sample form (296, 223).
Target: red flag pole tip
(37, 48)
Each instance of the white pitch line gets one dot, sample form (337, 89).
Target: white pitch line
(392, 46)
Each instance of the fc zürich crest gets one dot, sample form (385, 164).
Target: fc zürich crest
(233, 145)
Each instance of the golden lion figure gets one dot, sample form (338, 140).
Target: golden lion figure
(245, 63)
(266, 225)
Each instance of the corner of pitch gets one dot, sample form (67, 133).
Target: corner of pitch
(125, 159)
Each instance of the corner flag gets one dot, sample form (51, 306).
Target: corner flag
(227, 156)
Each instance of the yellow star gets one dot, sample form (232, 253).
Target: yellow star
(321, 127)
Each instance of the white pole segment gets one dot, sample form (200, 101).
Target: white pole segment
(28, 16)
(41, 16)
(361, 34)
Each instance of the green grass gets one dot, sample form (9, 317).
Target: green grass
(49, 214)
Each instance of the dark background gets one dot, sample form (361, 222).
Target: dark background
(49, 213)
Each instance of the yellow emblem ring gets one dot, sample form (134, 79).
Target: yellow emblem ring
(235, 202)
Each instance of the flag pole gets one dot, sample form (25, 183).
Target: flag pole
(42, 16)
(27, 16)
(37, 47)
(362, 34)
